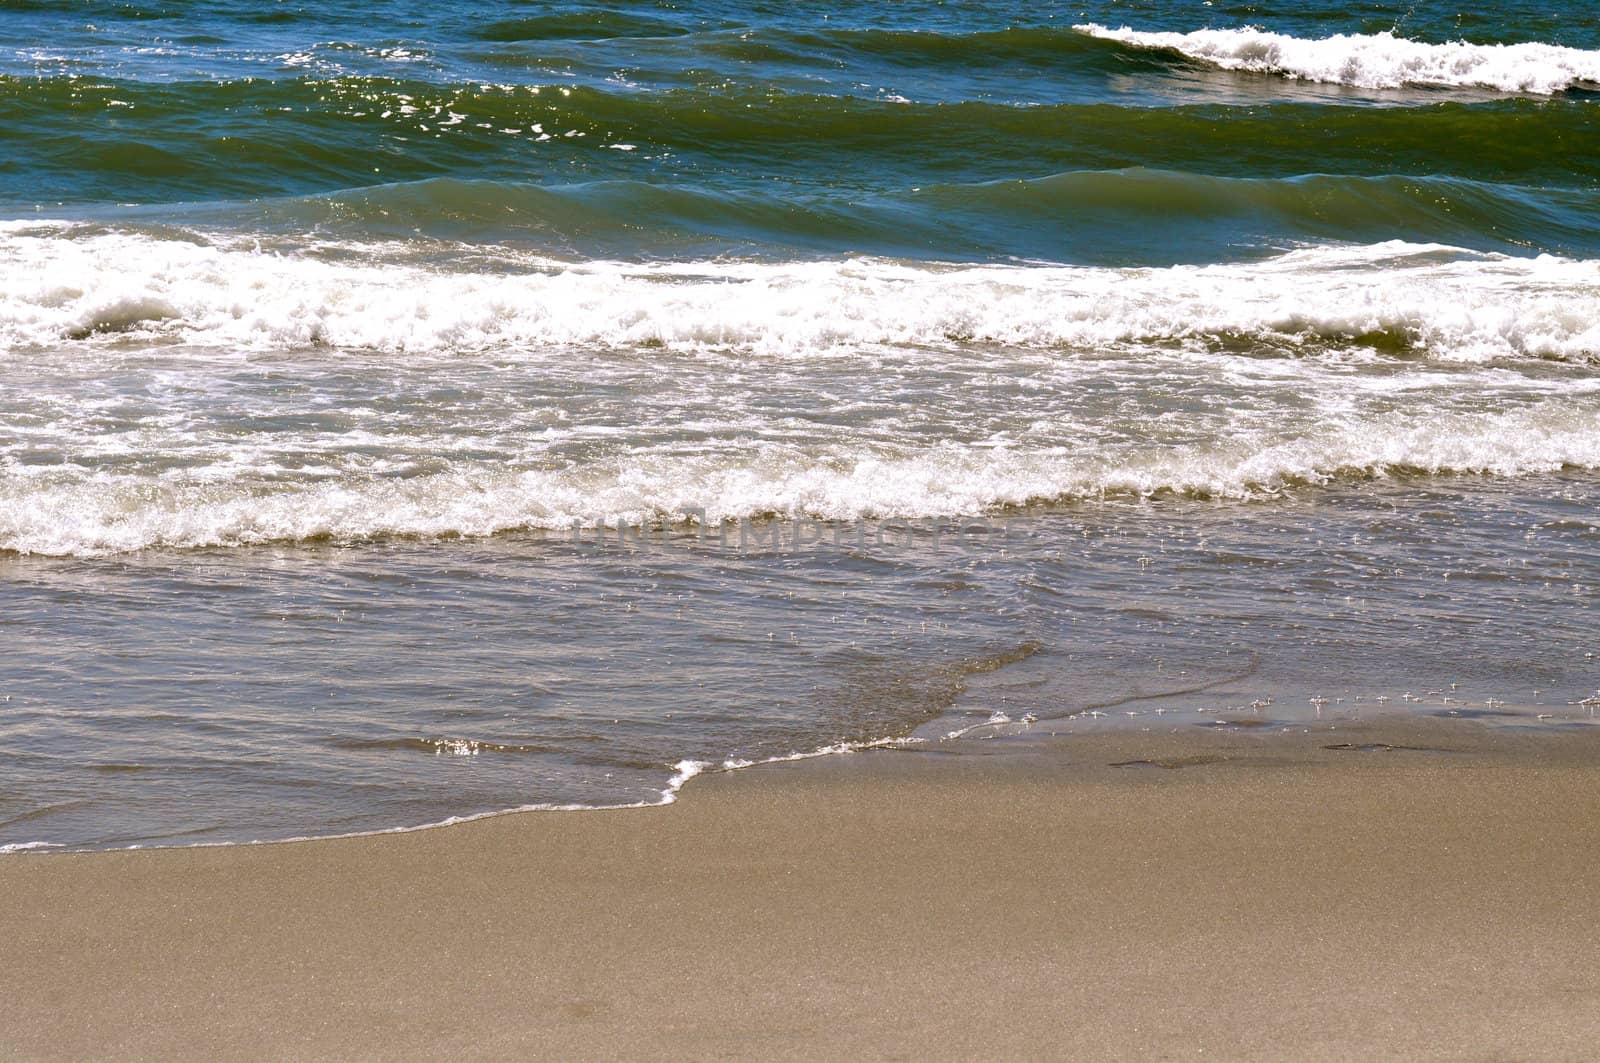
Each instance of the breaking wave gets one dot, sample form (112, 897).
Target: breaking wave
(1427, 301)
(1376, 61)
(77, 514)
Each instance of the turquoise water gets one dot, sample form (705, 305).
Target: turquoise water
(932, 363)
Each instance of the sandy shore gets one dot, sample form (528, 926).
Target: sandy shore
(1242, 895)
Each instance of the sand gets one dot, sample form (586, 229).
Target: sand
(1259, 896)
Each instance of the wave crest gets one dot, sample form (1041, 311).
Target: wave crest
(1376, 61)
(1425, 300)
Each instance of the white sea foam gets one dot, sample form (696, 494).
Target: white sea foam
(23, 847)
(182, 476)
(1377, 61)
(1445, 303)
(682, 772)
(95, 514)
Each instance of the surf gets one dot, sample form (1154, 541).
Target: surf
(1375, 61)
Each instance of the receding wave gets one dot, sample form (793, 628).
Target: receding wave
(1376, 61)
(97, 515)
(1426, 301)
(446, 746)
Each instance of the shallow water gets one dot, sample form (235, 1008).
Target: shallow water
(937, 364)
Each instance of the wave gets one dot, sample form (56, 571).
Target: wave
(577, 26)
(1017, 47)
(81, 515)
(1082, 216)
(82, 284)
(206, 140)
(1376, 61)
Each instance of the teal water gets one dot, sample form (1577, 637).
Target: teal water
(923, 364)
(808, 129)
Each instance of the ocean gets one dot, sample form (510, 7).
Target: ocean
(409, 414)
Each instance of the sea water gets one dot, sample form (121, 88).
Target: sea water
(410, 413)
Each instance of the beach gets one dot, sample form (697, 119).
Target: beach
(935, 530)
(1240, 895)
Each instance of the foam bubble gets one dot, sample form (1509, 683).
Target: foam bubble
(1376, 61)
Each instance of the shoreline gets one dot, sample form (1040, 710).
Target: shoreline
(1024, 742)
(1421, 891)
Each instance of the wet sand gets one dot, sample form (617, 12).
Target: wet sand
(1230, 893)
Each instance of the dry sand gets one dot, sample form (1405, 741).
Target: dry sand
(1259, 896)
